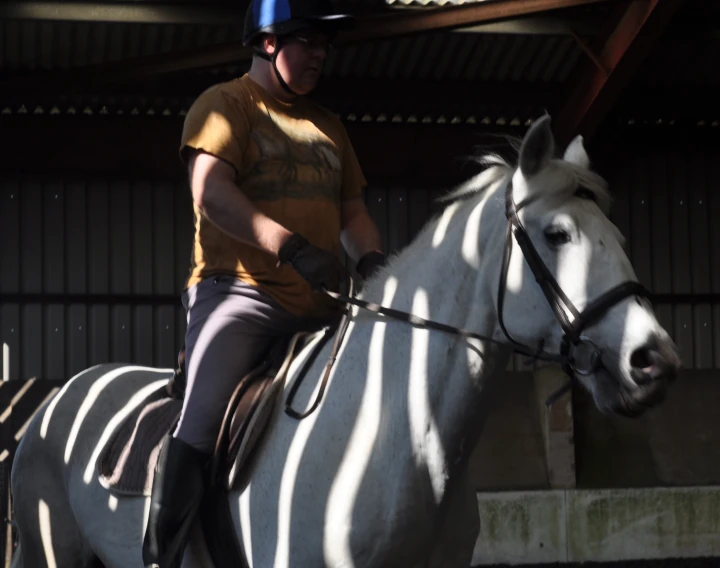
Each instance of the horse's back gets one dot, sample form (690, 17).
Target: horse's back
(69, 427)
(89, 399)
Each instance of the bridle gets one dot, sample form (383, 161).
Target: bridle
(578, 354)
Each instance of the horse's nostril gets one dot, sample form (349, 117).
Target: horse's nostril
(640, 359)
(648, 365)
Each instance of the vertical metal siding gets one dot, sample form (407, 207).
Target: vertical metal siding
(656, 173)
(76, 237)
(663, 204)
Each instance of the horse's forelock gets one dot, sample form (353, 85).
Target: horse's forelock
(574, 177)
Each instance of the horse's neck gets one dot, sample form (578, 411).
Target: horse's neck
(453, 263)
(445, 275)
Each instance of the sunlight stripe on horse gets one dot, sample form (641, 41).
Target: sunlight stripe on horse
(51, 407)
(287, 484)
(245, 524)
(349, 477)
(46, 533)
(116, 420)
(93, 394)
(424, 429)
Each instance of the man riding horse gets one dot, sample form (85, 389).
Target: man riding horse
(276, 187)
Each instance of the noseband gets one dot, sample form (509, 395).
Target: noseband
(579, 355)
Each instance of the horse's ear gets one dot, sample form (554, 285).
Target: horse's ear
(538, 147)
(576, 154)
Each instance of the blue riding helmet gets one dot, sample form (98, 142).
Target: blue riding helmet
(282, 17)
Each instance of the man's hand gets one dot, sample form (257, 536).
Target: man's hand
(319, 267)
(370, 263)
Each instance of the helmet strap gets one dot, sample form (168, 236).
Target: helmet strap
(272, 59)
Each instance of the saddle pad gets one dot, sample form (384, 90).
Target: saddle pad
(127, 463)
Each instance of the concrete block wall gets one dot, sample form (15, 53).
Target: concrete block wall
(579, 525)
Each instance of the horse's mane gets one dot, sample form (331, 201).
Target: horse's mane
(570, 178)
(497, 171)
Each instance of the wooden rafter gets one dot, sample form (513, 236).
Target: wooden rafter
(597, 85)
(368, 29)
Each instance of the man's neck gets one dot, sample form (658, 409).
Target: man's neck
(263, 74)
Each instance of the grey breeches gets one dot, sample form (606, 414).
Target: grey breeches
(231, 325)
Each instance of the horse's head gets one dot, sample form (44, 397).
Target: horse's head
(625, 356)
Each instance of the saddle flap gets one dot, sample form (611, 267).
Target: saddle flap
(250, 409)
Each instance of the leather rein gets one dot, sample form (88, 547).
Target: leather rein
(578, 354)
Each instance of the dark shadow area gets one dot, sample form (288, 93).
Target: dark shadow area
(510, 453)
(675, 444)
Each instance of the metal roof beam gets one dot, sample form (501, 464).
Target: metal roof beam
(121, 12)
(368, 29)
(597, 84)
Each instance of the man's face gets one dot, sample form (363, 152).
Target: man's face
(301, 59)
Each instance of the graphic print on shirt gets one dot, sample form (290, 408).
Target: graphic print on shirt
(304, 167)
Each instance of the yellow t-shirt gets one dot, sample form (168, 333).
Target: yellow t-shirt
(294, 162)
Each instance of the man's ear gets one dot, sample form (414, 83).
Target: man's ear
(269, 43)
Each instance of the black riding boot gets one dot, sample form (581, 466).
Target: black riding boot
(177, 491)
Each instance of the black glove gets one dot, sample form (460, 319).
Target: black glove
(319, 267)
(370, 263)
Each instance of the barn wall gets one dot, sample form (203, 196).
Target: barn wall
(665, 204)
(91, 273)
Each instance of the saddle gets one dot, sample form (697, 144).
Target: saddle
(126, 465)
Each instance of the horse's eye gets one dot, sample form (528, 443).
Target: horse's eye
(556, 237)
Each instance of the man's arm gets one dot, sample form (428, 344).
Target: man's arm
(214, 191)
(212, 181)
(361, 238)
(360, 234)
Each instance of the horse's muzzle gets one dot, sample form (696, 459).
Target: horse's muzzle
(652, 368)
(656, 361)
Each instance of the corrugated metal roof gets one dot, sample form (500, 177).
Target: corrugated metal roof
(32, 45)
(459, 57)
(469, 58)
